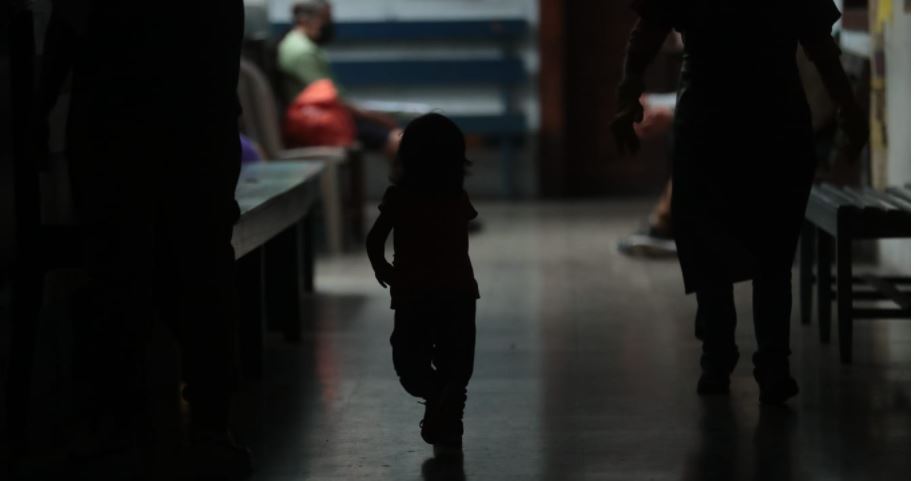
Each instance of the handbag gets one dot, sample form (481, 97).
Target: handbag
(317, 117)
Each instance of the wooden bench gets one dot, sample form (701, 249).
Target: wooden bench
(273, 246)
(506, 71)
(835, 217)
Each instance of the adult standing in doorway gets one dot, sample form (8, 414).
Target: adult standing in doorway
(740, 190)
(302, 61)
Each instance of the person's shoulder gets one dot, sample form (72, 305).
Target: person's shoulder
(295, 43)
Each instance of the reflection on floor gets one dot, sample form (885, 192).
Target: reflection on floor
(585, 369)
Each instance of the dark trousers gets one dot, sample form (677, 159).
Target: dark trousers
(434, 345)
(156, 207)
(716, 324)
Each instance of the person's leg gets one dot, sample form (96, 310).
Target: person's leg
(455, 346)
(195, 266)
(661, 221)
(455, 343)
(113, 313)
(411, 342)
(717, 320)
(195, 286)
(771, 303)
(376, 136)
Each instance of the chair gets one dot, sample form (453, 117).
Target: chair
(260, 120)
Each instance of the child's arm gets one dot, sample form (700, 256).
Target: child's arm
(646, 39)
(377, 237)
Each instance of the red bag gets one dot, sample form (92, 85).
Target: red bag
(317, 117)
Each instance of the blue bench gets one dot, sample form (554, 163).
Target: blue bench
(506, 72)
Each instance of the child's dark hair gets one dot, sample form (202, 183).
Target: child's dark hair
(432, 156)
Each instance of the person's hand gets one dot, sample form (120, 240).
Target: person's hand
(623, 127)
(656, 122)
(384, 273)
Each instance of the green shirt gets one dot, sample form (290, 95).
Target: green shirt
(302, 62)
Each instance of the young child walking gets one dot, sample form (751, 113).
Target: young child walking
(432, 287)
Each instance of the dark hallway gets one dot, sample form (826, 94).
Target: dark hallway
(586, 369)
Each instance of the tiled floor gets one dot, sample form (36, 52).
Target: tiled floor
(585, 370)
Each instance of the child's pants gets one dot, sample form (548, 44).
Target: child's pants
(433, 345)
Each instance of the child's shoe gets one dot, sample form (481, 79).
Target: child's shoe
(450, 439)
(428, 426)
(442, 424)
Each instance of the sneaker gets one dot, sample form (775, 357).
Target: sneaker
(775, 388)
(216, 455)
(442, 424)
(648, 242)
(427, 427)
(660, 231)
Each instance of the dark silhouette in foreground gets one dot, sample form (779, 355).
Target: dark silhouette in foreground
(432, 286)
(739, 192)
(154, 157)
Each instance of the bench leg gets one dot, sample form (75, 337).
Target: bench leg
(250, 328)
(807, 238)
(283, 283)
(356, 196)
(332, 201)
(306, 243)
(844, 296)
(823, 283)
(508, 157)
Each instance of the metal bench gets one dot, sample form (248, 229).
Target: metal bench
(835, 217)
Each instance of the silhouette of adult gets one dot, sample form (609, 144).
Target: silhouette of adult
(739, 191)
(154, 157)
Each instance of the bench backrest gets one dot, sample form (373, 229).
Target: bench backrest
(505, 71)
(500, 30)
(260, 115)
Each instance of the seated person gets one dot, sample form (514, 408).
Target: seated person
(302, 61)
